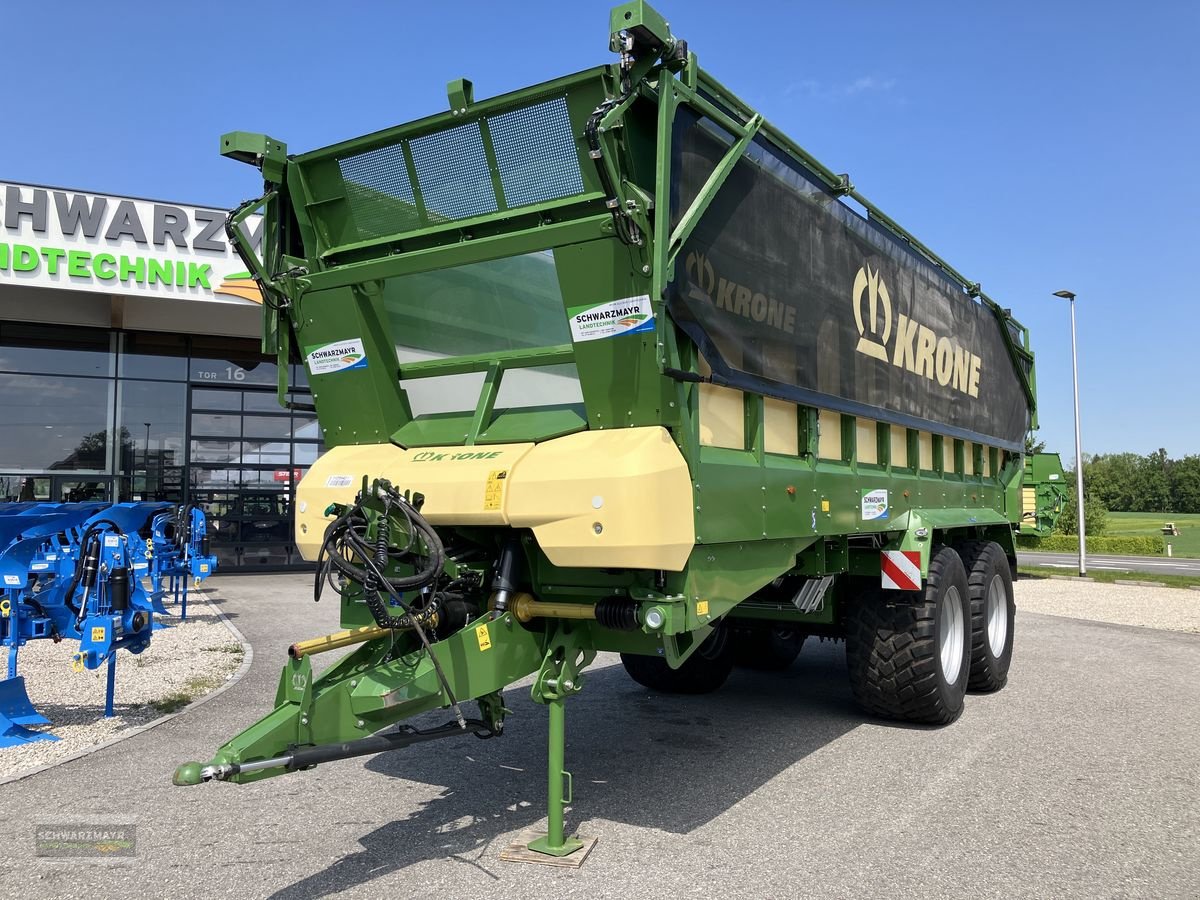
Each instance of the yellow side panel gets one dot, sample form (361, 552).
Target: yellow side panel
(459, 483)
(611, 499)
(633, 483)
(948, 455)
(780, 434)
(925, 445)
(867, 438)
(899, 446)
(829, 426)
(1028, 502)
(722, 417)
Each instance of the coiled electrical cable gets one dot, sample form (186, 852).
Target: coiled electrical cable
(345, 545)
(347, 553)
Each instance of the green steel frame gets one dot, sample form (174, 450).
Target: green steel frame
(758, 515)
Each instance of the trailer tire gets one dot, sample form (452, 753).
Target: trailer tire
(909, 653)
(770, 649)
(701, 673)
(993, 613)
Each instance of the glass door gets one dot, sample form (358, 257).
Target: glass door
(79, 488)
(245, 455)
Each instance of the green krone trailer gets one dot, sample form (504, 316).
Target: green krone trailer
(611, 364)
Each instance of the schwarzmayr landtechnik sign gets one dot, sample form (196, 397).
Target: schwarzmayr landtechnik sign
(50, 237)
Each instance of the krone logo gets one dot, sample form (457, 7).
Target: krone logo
(870, 283)
(915, 347)
(738, 299)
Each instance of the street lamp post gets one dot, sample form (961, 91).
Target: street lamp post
(1079, 501)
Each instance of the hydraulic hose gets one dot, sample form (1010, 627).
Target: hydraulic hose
(345, 541)
(625, 229)
(92, 533)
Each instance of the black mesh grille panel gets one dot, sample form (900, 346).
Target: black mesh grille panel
(536, 153)
(379, 191)
(536, 159)
(453, 172)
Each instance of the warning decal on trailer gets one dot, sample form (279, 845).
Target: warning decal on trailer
(900, 570)
(483, 637)
(493, 491)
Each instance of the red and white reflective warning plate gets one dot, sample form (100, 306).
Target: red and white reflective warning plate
(900, 570)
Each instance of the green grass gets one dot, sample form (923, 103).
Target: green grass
(1107, 576)
(194, 687)
(234, 649)
(1186, 544)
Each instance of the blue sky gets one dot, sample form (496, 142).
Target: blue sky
(1035, 146)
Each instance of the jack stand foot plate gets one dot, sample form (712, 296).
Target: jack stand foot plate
(519, 850)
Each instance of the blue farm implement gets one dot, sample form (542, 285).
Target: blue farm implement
(179, 553)
(88, 572)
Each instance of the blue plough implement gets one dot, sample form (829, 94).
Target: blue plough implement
(93, 573)
(179, 552)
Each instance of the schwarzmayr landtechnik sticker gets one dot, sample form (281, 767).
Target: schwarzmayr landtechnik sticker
(615, 318)
(874, 505)
(324, 359)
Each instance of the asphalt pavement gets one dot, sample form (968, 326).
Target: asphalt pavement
(1080, 779)
(1155, 564)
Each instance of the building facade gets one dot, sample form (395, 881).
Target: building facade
(130, 369)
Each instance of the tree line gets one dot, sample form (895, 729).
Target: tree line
(1127, 482)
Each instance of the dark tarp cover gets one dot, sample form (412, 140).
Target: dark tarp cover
(790, 293)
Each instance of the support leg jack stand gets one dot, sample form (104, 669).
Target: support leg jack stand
(558, 678)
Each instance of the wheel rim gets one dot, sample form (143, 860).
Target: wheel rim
(950, 638)
(997, 616)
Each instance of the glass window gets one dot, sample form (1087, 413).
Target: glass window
(71, 490)
(274, 554)
(230, 361)
(267, 426)
(441, 393)
(150, 418)
(23, 487)
(262, 401)
(503, 304)
(305, 429)
(216, 425)
(215, 451)
(306, 454)
(56, 350)
(268, 504)
(52, 422)
(148, 355)
(268, 454)
(216, 399)
(260, 478)
(539, 386)
(216, 477)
